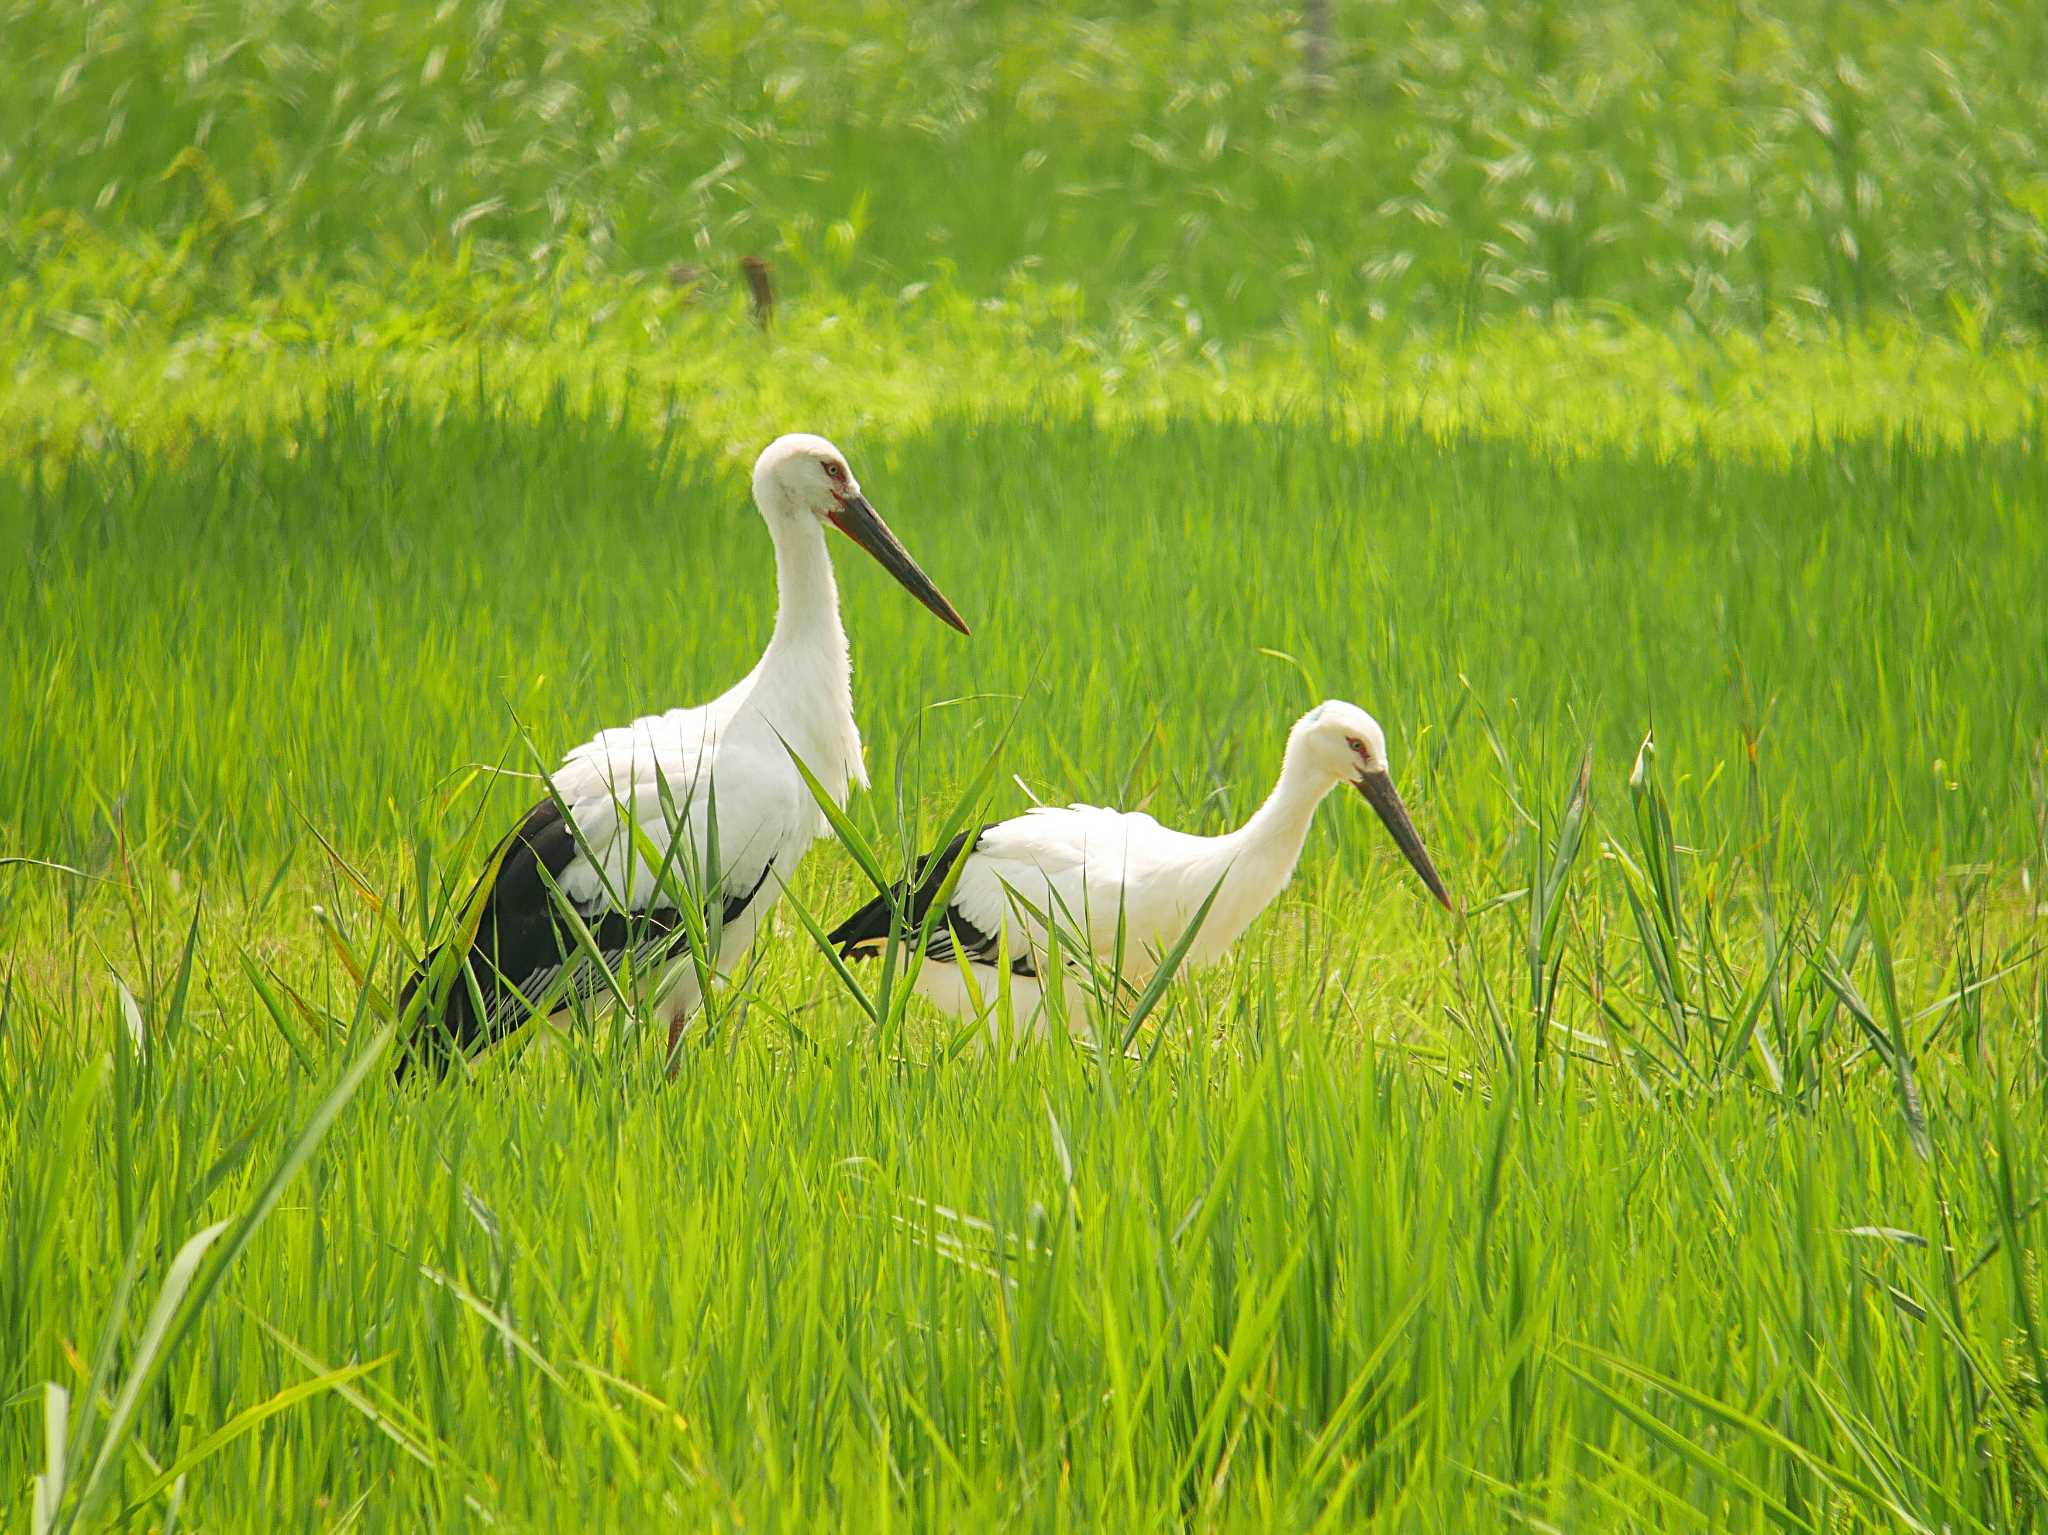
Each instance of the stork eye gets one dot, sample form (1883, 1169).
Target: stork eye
(1356, 745)
(834, 471)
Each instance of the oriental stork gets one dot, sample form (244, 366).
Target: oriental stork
(1120, 882)
(721, 773)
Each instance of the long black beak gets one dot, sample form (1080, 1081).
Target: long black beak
(863, 524)
(1378, 789)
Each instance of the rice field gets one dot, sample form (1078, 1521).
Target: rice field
(367, 449)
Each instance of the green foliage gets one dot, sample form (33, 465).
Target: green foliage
(1672, 1180)
(1280, 1274)
(330, 620)
(1457, 161)
(1562, 384)
(89, 371)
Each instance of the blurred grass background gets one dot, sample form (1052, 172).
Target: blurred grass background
(1199, 161)
(331, 620)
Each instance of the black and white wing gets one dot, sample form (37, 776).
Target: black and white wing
(1077, 868)
(609, 862)
(866, 932)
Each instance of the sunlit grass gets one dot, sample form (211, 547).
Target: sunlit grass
(1638, 408)
(330, 620)
(1673, 1201)
(1714, 165)
(143, 368)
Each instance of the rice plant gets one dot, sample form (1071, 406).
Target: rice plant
(1637, 408)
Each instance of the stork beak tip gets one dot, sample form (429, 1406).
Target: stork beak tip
(859, 521)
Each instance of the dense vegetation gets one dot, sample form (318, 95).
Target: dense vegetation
(1638, 408)
(1443, 161)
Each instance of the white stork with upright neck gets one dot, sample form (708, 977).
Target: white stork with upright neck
(1109, 882)
(709, 794)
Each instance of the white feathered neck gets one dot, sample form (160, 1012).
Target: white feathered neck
(803, 683)
(1256, 861)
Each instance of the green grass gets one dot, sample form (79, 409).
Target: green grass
(1731, 163)
(335, 616)
(1367, 1235)
(878, 365)
(1692, 1182)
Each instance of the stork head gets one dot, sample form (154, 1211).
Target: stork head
(1344, 744)
(800, 477)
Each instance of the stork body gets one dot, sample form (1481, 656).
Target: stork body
(604, 843)
(1103, 877)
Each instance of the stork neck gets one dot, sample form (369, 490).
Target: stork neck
(1280, 825)
(807, 627)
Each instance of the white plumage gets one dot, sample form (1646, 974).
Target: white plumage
(629, 792)
(1087, 871)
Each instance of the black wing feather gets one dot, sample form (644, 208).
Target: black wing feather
(867, 930)
(522, 944)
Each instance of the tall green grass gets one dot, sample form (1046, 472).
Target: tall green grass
(1690, 1182)
(324, 623)
(1281, 1275)
(1638, 408)
(1728, 164)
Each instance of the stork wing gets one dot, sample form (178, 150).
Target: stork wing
(638, 836)
(1070, 868)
